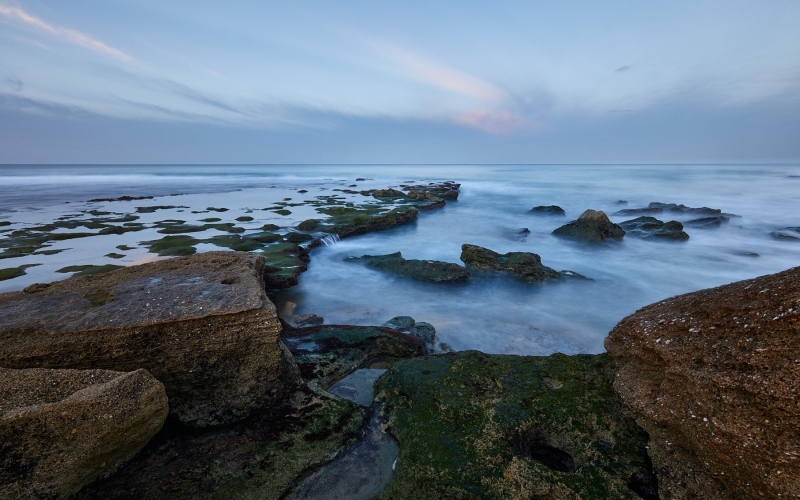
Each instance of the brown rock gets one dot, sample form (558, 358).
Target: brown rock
(714, 376)
(61, 429)
(201, 324)
(593, 226)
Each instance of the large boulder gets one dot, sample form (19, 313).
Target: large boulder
(423, 270)
(61, 429)
(525, 265)
(592, 226)
(201, 324)
(714, 376)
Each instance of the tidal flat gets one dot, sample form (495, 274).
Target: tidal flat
(55, 221)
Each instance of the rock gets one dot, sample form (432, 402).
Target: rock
(683, 209)
(424, 331)
(388, 193)
(787, 233)
(423, 270)
(518, 234)
(352, 221)
(525, 265)
(201, 325)
(326, 354)
(303, 320)
(706, 222)
(61, 429)
(620, 202)
(473, 425)
(650, 227)
(261, 457)
(625, 212)
(714, 376)
(548, 210)
(434, 201)
(591, 227)
(358, 386)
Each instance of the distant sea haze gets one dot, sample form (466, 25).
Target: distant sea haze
(492, 313)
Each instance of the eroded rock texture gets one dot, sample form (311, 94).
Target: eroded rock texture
(202, 325)
(715, 378)
(61, 429)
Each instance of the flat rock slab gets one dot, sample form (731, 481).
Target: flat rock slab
(714, 376)
(357, 387)
(202, 325)
(525, 265)
(61, 429)
(424, 270)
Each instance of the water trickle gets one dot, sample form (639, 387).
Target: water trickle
(330, 240)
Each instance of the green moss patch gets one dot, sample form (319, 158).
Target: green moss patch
(472, 425)
(114, 255)
(172, 245)
(88, 269)
(244, 218)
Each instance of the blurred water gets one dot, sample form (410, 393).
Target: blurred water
(492, 313)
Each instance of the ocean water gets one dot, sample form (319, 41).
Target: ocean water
(492, 313)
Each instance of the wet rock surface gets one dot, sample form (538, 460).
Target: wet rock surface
(326, 354)
(472, 425)
(61, 429)
(591, 227)
(525, 265)
(548, 210)
(201, 325)
(423, 270)
(262, 457)
(424, 331)
(650, 227)
(714, 377)
(787, 233)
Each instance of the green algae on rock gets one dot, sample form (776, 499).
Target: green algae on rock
(326, 354)
(423, 270)
(592, 226)
(473, 425)
(649, 227)
(525, 265)
(88, 269)
(263, 457)
(14, 272)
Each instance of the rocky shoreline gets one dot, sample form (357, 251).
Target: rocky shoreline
(196, 389)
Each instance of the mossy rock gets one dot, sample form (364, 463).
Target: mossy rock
(423, 270)
(298, 237)
(270, 227)
(325, 354)
(473, 425)
(11, 273)
(235, 242)
(308, 225)
(264, 237)
(88, 269)
(244, 218)
(283, 211)
(114, 255)
(263, 457)
(172, 245)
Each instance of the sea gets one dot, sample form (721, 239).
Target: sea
(493, 312)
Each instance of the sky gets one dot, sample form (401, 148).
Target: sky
(357, 81)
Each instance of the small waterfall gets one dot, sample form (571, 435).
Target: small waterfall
(330, 240)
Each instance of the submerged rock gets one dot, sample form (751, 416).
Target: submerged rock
(650, 227)
(548, 210)
(425, 331)
(787, 233)
(683, 209)
(525, 265)
(638, 211)
(201, 325)
(714, 376)
(706, 222)
(61, 429)
(303, 320)
(472, 425)
(423, 270)
(591, 227)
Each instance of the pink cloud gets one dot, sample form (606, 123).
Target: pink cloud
(18, 15)
(443, 76)
(494, 122)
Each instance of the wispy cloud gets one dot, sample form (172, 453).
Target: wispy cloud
(623, 68)
(15, 84)
(442, 75)
(17, 15)
(494, 122)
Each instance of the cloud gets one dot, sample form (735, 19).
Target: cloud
(19, 16)
(623, 68)
(494, 122)
(442, 76)
(15, 84)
